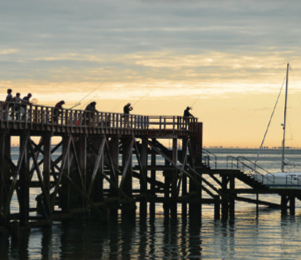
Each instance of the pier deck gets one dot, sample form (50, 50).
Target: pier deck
(109, 165)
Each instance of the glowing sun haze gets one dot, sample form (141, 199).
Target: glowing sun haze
(226, 58)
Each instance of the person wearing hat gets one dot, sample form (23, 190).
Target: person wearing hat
(89, 114)
(57, 110)
(126, 111)
(186, 115)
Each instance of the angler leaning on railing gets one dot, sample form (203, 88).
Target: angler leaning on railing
(36, 114)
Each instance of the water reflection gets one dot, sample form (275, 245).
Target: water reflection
(270, 236)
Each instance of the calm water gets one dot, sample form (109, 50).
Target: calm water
(268, 236)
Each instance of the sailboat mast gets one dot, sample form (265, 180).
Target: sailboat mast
(284, 123)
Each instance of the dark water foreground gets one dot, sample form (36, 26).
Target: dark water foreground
(268, 237)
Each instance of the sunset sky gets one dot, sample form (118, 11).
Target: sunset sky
(226, 58)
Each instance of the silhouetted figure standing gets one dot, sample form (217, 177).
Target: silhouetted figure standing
(89, 114)
(187, 115)
(17, 103)
(57, 110)
(25, 101)
(7, 104)
(126, 111)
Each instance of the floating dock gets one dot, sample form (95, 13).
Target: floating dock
(109, 165)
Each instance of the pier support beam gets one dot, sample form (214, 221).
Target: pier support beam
(184, 179)
(64, 192)
(174, 178)
(5, 168)
(232, 198)
(284, 200)
(114, 154)
(225, 200)
(292, 205)
(23, 192)
(152, 185)
(217, 208)
(128, 211)
(143, 182)
(46, 140)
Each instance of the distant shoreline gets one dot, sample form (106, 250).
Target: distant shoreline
(264, 148)
(222, 147)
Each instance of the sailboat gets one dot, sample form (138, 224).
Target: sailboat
(282, 179)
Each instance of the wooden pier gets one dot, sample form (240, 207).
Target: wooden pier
(108, 165)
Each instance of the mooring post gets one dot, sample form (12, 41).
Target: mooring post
(24, 182)
(143, 181)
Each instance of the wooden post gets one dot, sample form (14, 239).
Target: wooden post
(232, 199)
(292, 205)
(47, 162)
(152, 185)
(128, 213)
(5, 151)
(283, 205)
(257, 205)
(184, 179)
(216, 207)
(23, 194)
(225, 202)
(174, 178)
(114, 154)
(143, 182)
(167, 181)
(65, 188)
(82, 157)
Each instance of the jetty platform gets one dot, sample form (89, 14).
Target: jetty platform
(110, 166)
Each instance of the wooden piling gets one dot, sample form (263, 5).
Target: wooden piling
(100, 158)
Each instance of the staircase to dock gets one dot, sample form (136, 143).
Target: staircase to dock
(249, 180)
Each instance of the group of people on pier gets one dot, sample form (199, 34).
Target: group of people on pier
(16, 102)
(18, 108)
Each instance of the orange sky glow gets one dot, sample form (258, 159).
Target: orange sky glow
(226, 59)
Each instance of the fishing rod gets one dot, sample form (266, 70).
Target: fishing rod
(140, 99)
(195, 101)
(79, 102)
(113, 109)
(133, 104)
(95, 94)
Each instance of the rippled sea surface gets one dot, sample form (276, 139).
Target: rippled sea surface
(266, 235)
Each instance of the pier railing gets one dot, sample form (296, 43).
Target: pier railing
(209, 159)
(251, 169)
(50, 116)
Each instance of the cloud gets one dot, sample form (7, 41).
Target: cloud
(173, 48)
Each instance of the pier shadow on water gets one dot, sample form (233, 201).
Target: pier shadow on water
(246, 237)
(88, 239)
